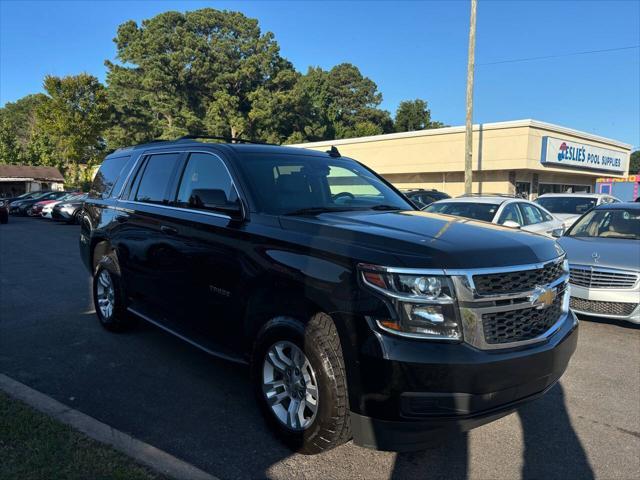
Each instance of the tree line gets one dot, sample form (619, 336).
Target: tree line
(205, 72)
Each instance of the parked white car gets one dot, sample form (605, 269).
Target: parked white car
(569, 206)
(503, 210)
(603, 249)
(48, 208)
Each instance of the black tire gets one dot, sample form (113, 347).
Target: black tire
(119, 319)
(4, 220)
(320, 343)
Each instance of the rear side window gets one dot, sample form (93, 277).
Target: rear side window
(156, 177)
(205, 176)
(107, 175)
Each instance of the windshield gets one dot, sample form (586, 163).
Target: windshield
(476, 211)
(572, 205)
(616, 223)
(292, 184)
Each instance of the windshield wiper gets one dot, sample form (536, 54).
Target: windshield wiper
(316, 210)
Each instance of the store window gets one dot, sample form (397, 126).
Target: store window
(523, 189)
(563, 188)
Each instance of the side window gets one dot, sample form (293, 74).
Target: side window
(124, 175)
(510, 212)
(107, 175)
(155, 178)
(531, 214)
(206, 181)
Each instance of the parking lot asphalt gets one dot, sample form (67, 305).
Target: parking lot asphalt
(165, 392)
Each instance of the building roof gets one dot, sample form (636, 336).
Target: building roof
(29, 172)
(476, 127)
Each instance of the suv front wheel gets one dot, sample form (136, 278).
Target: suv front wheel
(299, 380)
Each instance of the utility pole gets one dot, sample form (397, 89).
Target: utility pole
(468, 135)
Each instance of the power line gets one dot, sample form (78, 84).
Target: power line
(558, 56)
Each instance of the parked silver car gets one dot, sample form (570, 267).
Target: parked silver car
(603, 249)
(504, 210)
(569, 206)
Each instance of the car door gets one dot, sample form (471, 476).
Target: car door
(208, 290)
(510, 213)
(535, 220)
(147, 252)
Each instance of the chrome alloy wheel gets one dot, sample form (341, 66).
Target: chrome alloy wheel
(289, 385)
(105, 294)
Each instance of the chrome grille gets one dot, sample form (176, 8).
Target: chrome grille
(505, 307)
(522, 324)
(603, 308)
(596, 277)
(519, 281)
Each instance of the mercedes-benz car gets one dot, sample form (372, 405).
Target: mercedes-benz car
(603, 248)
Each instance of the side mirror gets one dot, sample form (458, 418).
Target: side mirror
(557, 232)
(216, 201)
(511, 224)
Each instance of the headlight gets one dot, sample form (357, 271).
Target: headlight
(424, 304)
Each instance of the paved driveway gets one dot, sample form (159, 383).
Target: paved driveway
(167, 393)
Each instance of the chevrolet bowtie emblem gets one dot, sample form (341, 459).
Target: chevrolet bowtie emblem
(542, 297)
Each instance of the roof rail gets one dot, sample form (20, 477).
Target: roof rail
(133, 147)
(224, 139)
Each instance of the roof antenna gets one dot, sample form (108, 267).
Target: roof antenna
(334, 152)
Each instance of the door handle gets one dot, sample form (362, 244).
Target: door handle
(169, 230)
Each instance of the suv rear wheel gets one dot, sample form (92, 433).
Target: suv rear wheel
(299, 380)
(108, 298)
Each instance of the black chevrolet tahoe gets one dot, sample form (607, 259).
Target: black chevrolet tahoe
(360, 316)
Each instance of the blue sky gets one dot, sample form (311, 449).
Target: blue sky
(410, 49)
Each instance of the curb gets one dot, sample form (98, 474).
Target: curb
(146, 454)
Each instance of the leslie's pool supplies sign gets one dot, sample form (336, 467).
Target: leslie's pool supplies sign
(579, 155)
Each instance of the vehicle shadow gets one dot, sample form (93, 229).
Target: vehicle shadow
(450, 460)
(210, 408)
(552, 449)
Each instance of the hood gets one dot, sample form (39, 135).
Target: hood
(427, 240)
(611, 252)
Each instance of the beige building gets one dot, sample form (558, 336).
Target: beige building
(525, 157)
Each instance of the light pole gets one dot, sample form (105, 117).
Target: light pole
(468, 135)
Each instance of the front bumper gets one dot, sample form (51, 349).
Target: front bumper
(619, 304)
(413, 391)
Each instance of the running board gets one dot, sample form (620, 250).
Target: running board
(223, 356)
